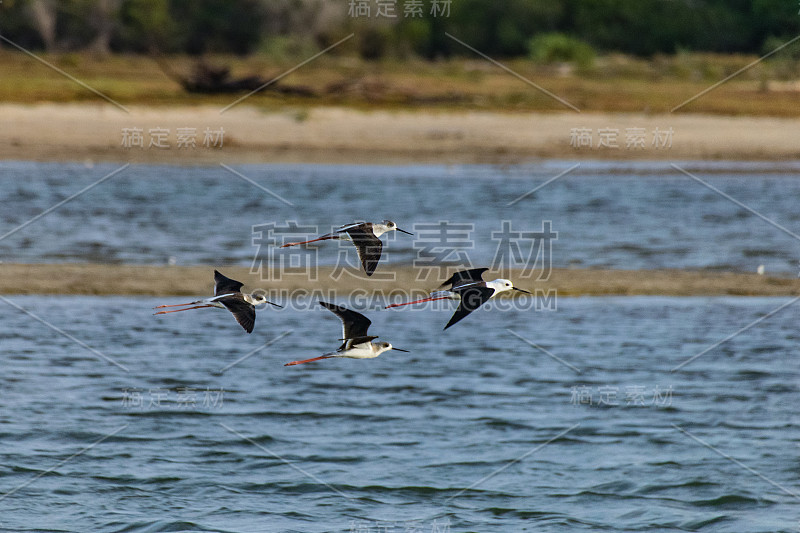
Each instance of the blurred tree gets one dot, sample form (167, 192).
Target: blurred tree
(79, 22)
(774, 18)
(499, 28)
(17, 24)
(637, 26)
(43, 13)
(217, 25)
(641, 27)
(145, 26)
(373, 41)
(104, 15)
(557, 47)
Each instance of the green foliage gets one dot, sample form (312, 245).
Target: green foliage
(501, 28)
(414, 36)
(373, 42)
(785, 63)
(778, 18)
(646, 27)
(146, 25)
(772, 43)
(204, 26)
(18, 25)
(509, 28)
(557, 47)
(288, 47)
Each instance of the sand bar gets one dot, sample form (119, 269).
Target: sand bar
(98, 279)
(80, 132)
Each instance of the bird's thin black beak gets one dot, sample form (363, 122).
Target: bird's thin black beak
(399, 350)
(521, 290)
(276, 305)
(404, 231)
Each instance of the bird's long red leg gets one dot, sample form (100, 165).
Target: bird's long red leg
(419, 301)
(308, 360)
(312, 240)
(178, 310)
(174, 305)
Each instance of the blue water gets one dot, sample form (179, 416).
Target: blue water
(126, 422)
(607, 215)
(405, 439)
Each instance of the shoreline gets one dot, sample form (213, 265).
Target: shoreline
(94, 132)
(135, 280)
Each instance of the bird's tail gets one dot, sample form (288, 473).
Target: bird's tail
(438, 295)
(323, 238)
(184, 309)
(179, 305)
(309, 360)
(445, 295)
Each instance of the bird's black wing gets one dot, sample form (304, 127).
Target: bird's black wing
(349, 343)
(243, 312)
(342, 229)
(354, 325)
(368, 246)
(348, 227)
(471, 299)
(223, 284)
(465, 276)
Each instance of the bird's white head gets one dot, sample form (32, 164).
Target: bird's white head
(502, 285)
(259, 298)
(385, 347)
(386, 226)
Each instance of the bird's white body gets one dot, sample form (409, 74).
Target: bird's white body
(227, 295)
(214, 301)
(357, 343)
(499, 285)
(376, 229)
(367, 350)
(468, 288)
(365, 237)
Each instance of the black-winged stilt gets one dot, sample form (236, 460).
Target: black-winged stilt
(364, 236)
(357, 344)
(468, 287)
(228, 295)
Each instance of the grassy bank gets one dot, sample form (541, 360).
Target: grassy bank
(612, 84)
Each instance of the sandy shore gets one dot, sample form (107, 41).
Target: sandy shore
(97, 279)
(79, 132)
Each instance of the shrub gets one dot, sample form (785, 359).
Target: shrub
(558, 47)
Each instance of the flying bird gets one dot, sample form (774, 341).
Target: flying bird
(364, 235)
(468, 287)
(228, 295)
(357, 344)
